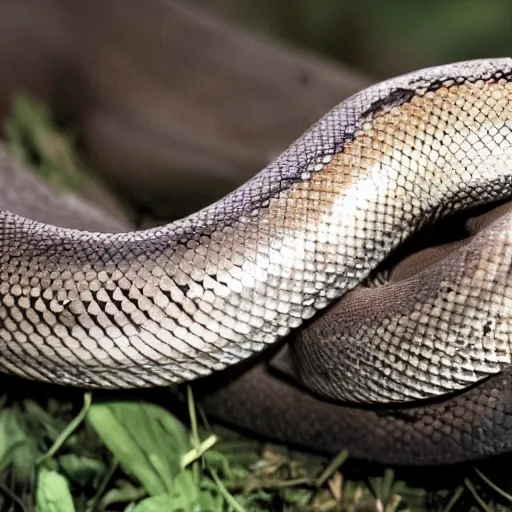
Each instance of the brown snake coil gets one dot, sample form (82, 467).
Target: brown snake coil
(184, 300)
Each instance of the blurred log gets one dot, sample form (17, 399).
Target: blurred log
(28, 195)
(175, 107)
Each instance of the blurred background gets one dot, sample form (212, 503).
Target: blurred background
(380, 38)
(175, 103)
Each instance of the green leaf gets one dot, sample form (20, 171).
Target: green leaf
(38, 418)
(146, 439)
(207, 501)
(53, 494)
(24, 460)
(184, 498)
(123, 493)
(68, 431)
(34, 139)
(11, 437)
(185, 489)
(156, 504)
(82, 470)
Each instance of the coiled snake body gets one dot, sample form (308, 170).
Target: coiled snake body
(191, 298)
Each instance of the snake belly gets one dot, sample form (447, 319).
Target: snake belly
(184, 300)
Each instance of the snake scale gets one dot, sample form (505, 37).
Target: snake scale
(290, 253)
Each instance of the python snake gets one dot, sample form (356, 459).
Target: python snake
(186, 300)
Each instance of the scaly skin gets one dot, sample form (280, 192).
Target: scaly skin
(475, 424)
(267, 398)
(471, 425)
(187, 299)
(191, 298)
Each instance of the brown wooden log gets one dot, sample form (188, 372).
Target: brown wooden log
(174, 106)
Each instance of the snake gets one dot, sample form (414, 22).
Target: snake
(281, 291)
